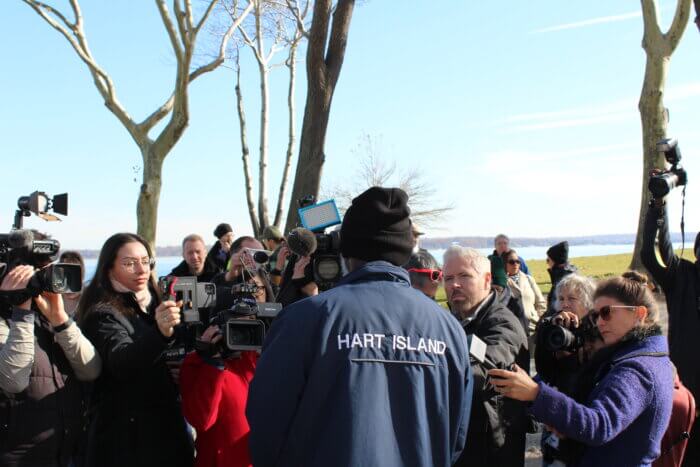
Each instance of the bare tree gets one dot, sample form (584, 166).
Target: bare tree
(282, 24)
(374, 169)
(182, 30)
(324, 60)
(658, 47)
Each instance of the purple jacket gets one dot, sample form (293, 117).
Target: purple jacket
(627, 412)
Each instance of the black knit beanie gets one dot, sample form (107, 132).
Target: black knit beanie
(559, 253)
(222, 229)
(377, 227)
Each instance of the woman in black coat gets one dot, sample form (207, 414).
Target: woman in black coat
(135, 411)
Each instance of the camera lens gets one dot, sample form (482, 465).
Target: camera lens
(328, 269)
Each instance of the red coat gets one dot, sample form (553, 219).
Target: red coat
(213, 402)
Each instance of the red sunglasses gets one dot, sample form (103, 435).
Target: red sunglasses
(435, 274)
(605, 311)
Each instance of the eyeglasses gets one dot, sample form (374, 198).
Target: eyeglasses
(435, 274)
(605, 311)
(130, 263)
(513, 262)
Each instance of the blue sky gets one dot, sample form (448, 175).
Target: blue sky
(523, 114)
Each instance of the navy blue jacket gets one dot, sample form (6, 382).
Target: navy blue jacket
(369, 373)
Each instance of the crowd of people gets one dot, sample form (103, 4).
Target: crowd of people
(370, 372)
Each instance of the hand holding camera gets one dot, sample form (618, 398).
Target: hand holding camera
(567, 319)
(51, 306)
(168, 316)
(17, 279)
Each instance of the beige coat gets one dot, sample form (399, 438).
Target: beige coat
(530, 296)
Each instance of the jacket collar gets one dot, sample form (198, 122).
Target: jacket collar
(377, 271)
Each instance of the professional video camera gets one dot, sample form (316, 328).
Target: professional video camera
(556, 337)
(325, 251)
(26, 247)
(204, 304)
(661, 184)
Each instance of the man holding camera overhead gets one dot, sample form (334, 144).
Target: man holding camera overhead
(679, 280)
(371, 372)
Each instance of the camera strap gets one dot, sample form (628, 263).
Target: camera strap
(683, 220)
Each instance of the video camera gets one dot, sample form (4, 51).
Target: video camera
(326, 260)
(204, 304)
(661, 184)
(27, 247)
(556, 337)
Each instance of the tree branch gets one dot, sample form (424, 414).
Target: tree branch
(205, 16)
(680, 21)
(339, 39)
(170, 28)
(650, 15)
(245, 151)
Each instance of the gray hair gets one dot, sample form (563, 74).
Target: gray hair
(479, 262)
(420, 260)
(499, 237)
(192, 238)
(583, 287)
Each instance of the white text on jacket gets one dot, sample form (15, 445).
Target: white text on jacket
(372, 341)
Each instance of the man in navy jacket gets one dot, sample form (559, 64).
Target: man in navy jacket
(371, 372)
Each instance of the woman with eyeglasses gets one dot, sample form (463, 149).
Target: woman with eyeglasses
(524, 289)
(622, 406)
(135, 412)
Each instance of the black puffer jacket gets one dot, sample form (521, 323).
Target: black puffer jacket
(217, 258)
(136, 419)
(680, 281)
(42, 425)
(497, 426)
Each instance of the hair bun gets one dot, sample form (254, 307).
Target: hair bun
(638, 277)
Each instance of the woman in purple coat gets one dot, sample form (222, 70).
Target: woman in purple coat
(624, 406)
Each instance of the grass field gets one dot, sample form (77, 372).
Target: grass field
(597, 267)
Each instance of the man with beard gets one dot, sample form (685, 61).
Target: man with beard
(497, 426)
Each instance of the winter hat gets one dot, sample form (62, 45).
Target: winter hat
(377, 227)
(272, 233)
(222, 229)
(559, 253)
(498, 271)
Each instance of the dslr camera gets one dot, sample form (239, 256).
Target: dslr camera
(241, 320)
(326, 260)
(556, 337)
(27, 247)
(661, 184)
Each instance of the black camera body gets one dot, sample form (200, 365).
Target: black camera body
(661, 184)
(556, 337)
(326, 260)
(204, 304)
(22, 247)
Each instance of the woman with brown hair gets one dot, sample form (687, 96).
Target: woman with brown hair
(622, 408)
(135, 413)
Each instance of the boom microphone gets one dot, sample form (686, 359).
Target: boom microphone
(20, 238)
(301, 242)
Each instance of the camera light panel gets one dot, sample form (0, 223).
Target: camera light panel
(320, 215)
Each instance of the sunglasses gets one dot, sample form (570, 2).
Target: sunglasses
(605, 311)
(513, 262)
(435, 274)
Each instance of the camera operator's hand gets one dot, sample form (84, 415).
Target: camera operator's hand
(282, 258)
(18, 279)
(168, 316)
(300, 266)
(567, 319)
(51, 306)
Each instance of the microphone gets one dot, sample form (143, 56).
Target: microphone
(301, 242)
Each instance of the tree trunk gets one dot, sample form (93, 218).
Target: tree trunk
(324, 60)
(654, 125)
(291, 63)
(149, 196)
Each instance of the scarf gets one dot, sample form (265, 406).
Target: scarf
(143, 297)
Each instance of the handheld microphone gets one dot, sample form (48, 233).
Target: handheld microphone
(301, 242)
